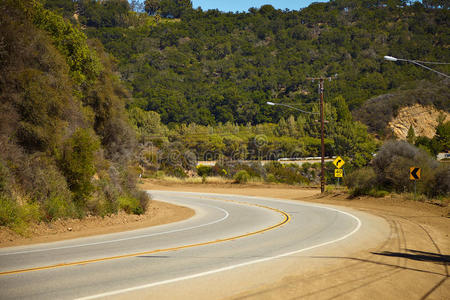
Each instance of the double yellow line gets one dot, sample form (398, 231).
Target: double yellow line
(286, 219)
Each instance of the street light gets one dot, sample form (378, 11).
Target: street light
(419, 63)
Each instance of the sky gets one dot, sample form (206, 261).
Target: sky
(244, 5)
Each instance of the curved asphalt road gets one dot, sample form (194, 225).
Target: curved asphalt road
(227, 232)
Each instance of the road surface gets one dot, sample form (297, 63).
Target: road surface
(227, 233)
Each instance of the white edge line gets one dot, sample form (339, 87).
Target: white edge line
(192, 276)
(126, 239)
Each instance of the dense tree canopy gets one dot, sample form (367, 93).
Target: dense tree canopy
(210, 67)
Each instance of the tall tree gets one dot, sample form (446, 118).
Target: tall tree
(411, 135)
(152, 6)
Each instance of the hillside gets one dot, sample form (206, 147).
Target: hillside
(200, 81)
(380, 111)
(65, 140)
(209, 67)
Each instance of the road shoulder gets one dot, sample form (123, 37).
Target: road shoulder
(158, 213)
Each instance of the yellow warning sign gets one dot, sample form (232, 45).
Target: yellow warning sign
(338, 162)
(414, 173)
(338, 173)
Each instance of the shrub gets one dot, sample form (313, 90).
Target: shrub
(110, 194)
(130, 205)
(9, 211)
(378, 193)
(230, 168)
(441, 183)
(30, 212)
(242, 177)
(77, 163)
(16, 216)
(4, 178)
(47, 186)
(135, 203)
(175, 171)
(144, 199)
(392, 164)
(361, 181)
(271, 178)
(56, 207)
(290, 174)
(203, 170)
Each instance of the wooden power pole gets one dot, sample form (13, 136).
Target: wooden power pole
(322, 137)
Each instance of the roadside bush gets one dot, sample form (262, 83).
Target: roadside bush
(4, 178)
(77, 163)
(290, 174)
(378, 193)
(56, 207)
(203, 170)
(30, 212)
(105, 199)
(218, 170)
(231, 168)
(361, 182)
(441, 182)
(242, 177)
(16, 216)
(144, 199)
(393, 162)
(46, 185)
(9, 211)
(175, 171)
(390, 172)
(130, 205)
(271, 178)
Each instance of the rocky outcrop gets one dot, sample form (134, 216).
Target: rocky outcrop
(422, 118)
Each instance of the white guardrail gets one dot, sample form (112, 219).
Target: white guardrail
(284, 160)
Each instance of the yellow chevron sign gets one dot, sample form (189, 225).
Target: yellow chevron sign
(414, 173)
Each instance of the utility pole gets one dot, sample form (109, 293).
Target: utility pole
(322, 121)
(322, 141)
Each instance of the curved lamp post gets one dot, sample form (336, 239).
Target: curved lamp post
(419, 63)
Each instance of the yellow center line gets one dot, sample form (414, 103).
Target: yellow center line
(286, 219)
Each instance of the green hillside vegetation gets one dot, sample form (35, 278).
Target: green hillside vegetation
(200, 80)
(291, 137)
(66, 143)
(213, 67)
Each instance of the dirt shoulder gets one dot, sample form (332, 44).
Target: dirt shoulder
(158, 213)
